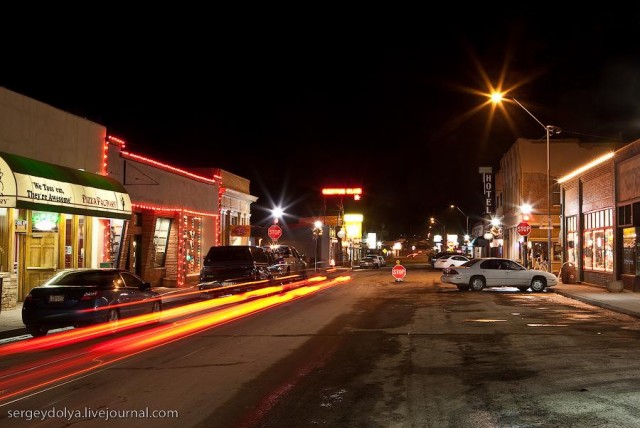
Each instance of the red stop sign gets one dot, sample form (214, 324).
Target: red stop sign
(524, 228)
(398, 272)
(274, 232)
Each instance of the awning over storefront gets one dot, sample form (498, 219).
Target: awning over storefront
(36, 185)
(479, 241)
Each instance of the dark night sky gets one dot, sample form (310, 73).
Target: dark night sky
(381, 102)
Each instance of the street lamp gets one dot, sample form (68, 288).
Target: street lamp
(444, 230)
(277, 213)
(462, 212)
(317, 232)
(497, 97)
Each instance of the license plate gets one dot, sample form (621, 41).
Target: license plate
(56, 298)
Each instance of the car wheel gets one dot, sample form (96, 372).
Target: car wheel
(477, 283)
(37, 331)
(113, 317)
(463, 287)
(538, 284)
(523, 288)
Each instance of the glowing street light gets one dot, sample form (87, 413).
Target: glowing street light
(277, 213)
(317, 232)
(498, 97)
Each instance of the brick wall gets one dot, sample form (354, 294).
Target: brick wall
(597, 188)
(9, 290)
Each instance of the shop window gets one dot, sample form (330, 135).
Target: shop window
(160, 240)
(192, 244)
(43, 221)
(629, 250)
(598, 241)
(80, 242)
(572, 239)
(587, 252)
(109, 241)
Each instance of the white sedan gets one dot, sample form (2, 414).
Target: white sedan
(496, 272)
(450, 261)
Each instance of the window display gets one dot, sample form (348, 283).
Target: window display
(160, 240)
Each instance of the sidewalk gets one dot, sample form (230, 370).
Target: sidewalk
(626, 302)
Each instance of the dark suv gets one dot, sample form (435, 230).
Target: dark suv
(234, 265)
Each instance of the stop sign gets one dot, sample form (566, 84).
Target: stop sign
(398, 272)
(524, 228)
(274, 232)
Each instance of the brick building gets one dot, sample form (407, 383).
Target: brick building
(601, 218)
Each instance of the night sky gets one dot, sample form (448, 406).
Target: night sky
(386, 102)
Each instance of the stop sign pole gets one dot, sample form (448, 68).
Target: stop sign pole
(524, 229)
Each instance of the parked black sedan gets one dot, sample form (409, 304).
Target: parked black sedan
(79, 297)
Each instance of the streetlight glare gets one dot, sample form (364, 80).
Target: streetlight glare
(277, 212)
(496, 97)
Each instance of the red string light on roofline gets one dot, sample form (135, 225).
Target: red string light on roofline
(164, 166)
(116, 141)
(173, 209)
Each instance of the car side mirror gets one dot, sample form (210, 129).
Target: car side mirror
(145, 286)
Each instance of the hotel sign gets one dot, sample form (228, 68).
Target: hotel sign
(488, 189)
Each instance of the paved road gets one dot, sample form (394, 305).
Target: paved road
(376, 353)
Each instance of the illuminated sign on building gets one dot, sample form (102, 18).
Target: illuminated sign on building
(488, 186)
(342, 191)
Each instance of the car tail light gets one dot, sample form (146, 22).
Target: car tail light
(90, 295)
(450, 271)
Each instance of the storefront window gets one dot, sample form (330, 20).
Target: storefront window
(68, 241)
(192, 234)
(598, 242)
(629, 250)
(160, 240)
(109, 241)
(572, 239)
(80, 241)
(588, 250)
(598, 249)
(43, 221)
(608, 250)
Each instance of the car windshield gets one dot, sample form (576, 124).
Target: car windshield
(228, 254)
(84, 278)
(470, 262)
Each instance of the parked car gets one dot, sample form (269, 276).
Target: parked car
(477, 274)
(381, 261)
(369, 262)
(292, 260)
(440, 254)
(450, 261)
(227, 265)
(79, 297)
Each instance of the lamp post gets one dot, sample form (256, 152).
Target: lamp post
(462, 212)
(317, 232)
(549, 129)
(444, 230)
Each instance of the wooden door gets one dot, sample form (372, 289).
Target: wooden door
(41, 259)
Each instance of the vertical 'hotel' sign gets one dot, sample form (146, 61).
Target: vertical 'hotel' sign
(488, 186)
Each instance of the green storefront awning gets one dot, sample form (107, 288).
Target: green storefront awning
(36, 185)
